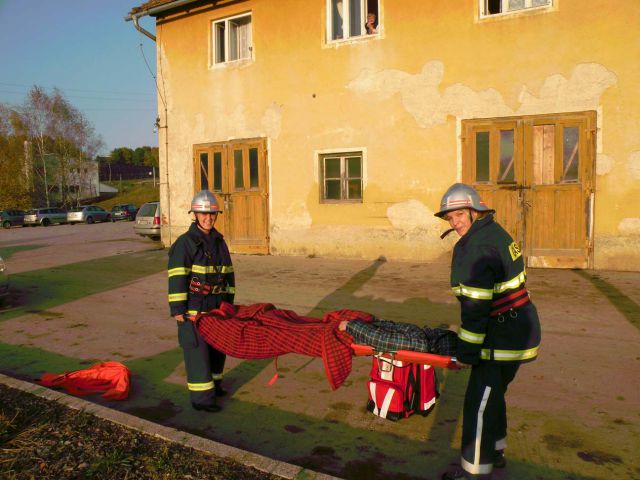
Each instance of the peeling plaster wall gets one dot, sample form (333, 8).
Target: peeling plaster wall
(401, 97)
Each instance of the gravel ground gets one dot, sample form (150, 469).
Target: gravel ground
(45, 440)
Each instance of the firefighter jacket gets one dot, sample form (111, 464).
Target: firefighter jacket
(499, 322)
(200, 272)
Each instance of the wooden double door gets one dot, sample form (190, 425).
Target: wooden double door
(537, 173)
(236, 172)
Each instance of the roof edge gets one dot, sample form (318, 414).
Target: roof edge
(150, 11)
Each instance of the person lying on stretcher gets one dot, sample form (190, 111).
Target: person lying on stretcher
(387, 336)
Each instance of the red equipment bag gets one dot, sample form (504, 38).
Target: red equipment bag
(399, 389)
(112, 378)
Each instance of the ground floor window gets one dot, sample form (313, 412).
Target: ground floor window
(341, 175)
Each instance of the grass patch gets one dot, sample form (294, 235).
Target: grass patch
(132, 191)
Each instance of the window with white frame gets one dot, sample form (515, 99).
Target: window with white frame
(352, 18)
(232, 39)
(341, 177)
(496, 7)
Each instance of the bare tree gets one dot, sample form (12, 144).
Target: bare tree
(63, 141)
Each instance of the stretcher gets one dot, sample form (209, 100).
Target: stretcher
(442, 361)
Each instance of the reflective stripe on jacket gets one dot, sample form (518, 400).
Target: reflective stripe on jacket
(488, 277)
(205, 259)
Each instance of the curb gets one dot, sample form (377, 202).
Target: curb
(259, 462)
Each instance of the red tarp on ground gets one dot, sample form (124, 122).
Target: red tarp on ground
(264, 331)
(112, 378)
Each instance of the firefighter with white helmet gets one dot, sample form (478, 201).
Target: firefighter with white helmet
(200, 278)
(499, 327)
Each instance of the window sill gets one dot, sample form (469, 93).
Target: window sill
(498, 17)
(351, 40)
(340, 202)
(232, 64)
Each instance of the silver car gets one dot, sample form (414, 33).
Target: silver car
(4, 280)
(88, 214)
(45, 216)
(148, 221)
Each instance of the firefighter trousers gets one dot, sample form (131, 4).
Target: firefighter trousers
(203, 363)
(484, 424)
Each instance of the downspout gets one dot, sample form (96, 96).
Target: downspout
(134, 19)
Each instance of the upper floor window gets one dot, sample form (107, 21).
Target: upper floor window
(341, 175)
(352, 18)
(232, 39)
(496, 7)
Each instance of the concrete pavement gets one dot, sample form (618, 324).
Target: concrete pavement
(573, 413)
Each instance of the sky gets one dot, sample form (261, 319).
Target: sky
(87, 50)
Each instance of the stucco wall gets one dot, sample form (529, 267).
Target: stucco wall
(400, 97)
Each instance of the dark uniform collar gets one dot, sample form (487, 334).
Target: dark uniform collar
(476, 226)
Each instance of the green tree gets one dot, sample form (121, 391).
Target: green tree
(121, 156)
(14, 181)
(151, 156)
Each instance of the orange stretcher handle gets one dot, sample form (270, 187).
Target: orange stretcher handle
(443, 361)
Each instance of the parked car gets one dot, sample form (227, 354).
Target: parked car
(148, 221)
(87, 214)
(126, 211)
(4, 280)
(45, 216)
(8, 218)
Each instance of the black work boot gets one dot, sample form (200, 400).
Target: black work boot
(212, 408)
(218, 390)
(499, 460)
(456, 474)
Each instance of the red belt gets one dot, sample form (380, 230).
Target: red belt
(204, 288)
(513, 300)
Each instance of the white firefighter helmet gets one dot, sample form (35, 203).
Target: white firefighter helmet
(205, 202)
(460, 195)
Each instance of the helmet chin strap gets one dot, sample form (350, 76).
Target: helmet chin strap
(446, 233)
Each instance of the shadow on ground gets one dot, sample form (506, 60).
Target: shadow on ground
(626, 306)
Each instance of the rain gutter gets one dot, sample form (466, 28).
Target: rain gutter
(134, 17)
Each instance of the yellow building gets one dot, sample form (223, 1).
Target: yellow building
(322, 137)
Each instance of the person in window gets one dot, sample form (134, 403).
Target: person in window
(200, 277)
(371, 26)
(499, 327)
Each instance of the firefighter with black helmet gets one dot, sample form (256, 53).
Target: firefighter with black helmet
(200, 277)
(499, 327)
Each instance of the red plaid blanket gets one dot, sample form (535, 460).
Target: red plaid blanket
(264, 331)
